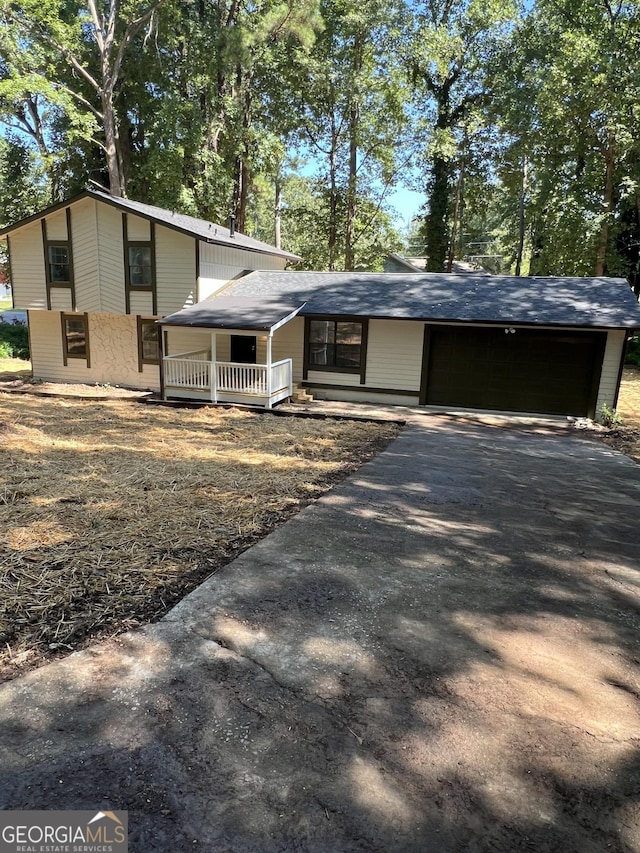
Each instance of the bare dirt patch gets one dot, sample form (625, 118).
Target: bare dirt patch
(626, 436)
(16, 376)
(113, 511)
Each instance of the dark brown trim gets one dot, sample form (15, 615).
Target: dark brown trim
(137, 288)
(154, 276)
(86, 337)
(623, 357)
(162, 342)
(72, 274)
(198, 267)
(13, 293)
(29, 341)
(336, 318)
(360, 389)
(305, 356)
(63, 329)
(364, 343)
(125, 260)
(47, 243)
(140, 322)
(45, 254)
(66, 355)
(424, 375)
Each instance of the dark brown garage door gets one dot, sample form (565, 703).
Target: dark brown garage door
(528, 370)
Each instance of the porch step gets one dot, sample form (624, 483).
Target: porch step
(300, 395)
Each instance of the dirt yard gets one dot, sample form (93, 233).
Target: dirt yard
(626, 436)
(112, 510)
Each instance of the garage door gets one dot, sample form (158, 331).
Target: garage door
(528, 370)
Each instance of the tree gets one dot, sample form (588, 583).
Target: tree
(568, 105)
(350, 117)
(453, 41)
(90, 44)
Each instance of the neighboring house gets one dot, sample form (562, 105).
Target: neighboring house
(100, 276)
(396, 263)
(96, 272)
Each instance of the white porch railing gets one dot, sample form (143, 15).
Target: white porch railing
(263, 383)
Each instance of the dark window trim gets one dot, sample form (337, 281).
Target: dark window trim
(424, 374)
(139, 288)
(66, 355)
(140, 322)
(46, 243)
(336, 318)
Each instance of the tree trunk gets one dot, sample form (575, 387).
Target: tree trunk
(333, 196)
(349, 255)
(436, 229)
(603, 236)
(116, 183)
(277, 218)
(521, 219)
(456, 216)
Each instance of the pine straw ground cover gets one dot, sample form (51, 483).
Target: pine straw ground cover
(112, 511)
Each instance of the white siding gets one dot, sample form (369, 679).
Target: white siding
(138, 228)
(57, 225)
(288, 342)
(27, 267)
(113, 347)
(110, 258)
(610, 371)
(331, 378)
(394, 354)
(360, 395)
(61, 299)
(84, 236)
(219, 264)
(180, 339)
(175, 270)
(141, 303)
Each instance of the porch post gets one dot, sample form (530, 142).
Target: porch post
(213, 376)
(269, 339)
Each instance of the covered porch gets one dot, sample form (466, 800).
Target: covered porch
(228, 370)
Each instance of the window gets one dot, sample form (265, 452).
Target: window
(75, 337)
(148, 343)
(59, 265)
(335, 344)
(140, 268)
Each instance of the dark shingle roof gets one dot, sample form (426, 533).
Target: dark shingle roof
(591, 302)
(233, 313)
(200, 228)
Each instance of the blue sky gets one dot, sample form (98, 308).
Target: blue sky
(407, 204)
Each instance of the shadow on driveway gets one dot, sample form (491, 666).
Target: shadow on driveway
(439, 655)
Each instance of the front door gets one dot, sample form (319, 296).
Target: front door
(243, 349)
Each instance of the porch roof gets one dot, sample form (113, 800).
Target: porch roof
(235, 313)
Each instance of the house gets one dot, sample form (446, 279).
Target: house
(538, 345)
(95, 273)
(101, 276)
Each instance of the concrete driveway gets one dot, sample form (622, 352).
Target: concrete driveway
(440, 655)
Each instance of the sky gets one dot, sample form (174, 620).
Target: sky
(407, 204)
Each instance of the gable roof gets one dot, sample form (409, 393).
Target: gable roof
(209, 232)
(233, 313)
(596, 302)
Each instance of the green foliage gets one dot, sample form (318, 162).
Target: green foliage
(14, 341)
(609, 417)
(633, 351)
